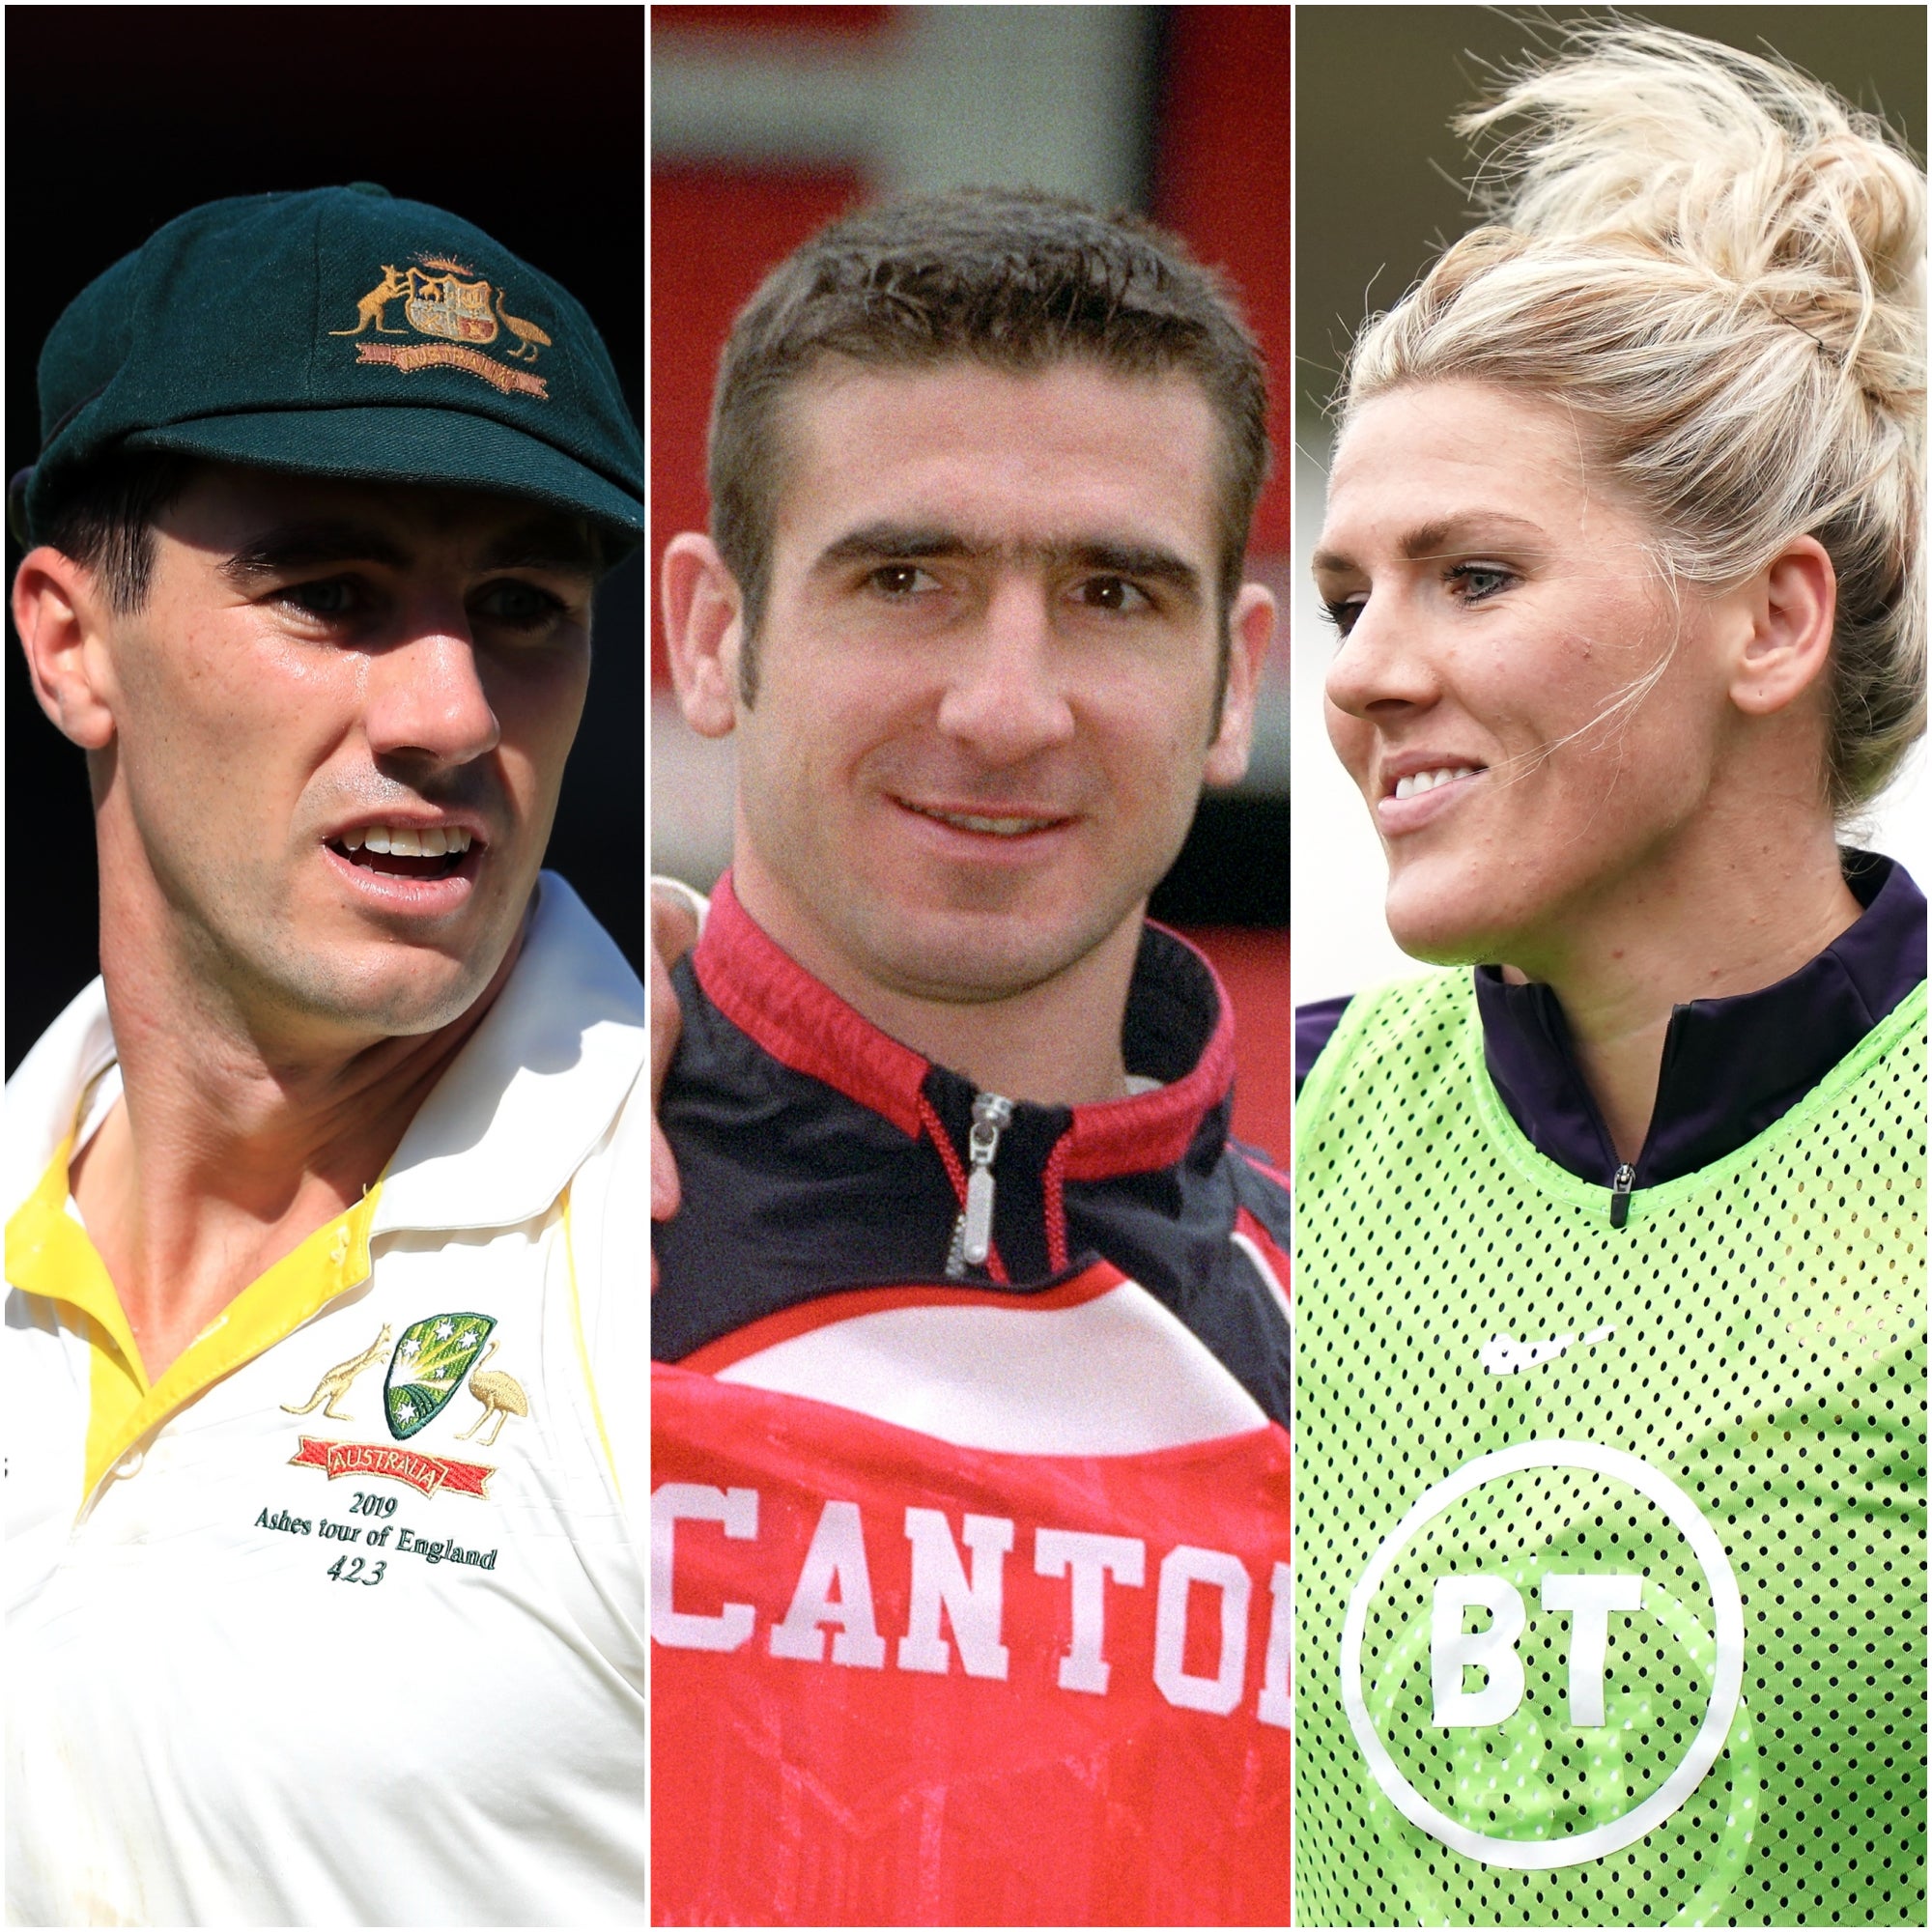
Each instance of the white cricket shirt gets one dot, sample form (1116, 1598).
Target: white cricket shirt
(341, 1621)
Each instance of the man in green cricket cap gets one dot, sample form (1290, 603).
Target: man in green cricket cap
(326, 1246)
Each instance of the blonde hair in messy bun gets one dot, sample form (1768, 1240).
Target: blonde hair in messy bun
(1717, 264)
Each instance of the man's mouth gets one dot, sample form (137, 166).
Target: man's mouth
(997, 825)
(404, 851)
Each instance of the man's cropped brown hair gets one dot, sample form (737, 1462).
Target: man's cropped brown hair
(1014, 281)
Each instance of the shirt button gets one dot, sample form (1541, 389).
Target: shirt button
(131, 1464)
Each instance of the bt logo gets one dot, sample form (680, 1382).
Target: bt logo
(1580, 1760)
(1452, 1650)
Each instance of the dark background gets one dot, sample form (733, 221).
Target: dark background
(526, 121)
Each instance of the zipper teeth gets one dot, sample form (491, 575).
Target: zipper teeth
(1056, 1203)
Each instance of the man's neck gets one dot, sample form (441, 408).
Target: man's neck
(1731, 913)
(230, 1146)
(1040, 1046)
(1056, 1043)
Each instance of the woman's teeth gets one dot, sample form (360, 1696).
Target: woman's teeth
(403, 841)
(1416, 781)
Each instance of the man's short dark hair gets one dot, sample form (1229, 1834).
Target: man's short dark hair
(1012, 279)
(105, 515)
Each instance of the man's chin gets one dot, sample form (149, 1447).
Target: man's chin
(978, 960)
(398, 992)
(396, 1010)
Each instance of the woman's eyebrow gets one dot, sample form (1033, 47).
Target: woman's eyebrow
(1437, 536)
(1443, 534)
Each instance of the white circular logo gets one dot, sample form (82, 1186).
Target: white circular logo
(1579, 1848)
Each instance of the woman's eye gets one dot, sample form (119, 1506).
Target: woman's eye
(1343, 612)
(1474, 581)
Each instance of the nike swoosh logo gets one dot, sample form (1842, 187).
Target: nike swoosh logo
(1504, 1355)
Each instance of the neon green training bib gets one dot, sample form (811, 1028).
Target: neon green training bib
(1610, 1591)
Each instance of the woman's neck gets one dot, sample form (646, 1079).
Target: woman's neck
(1740, 915)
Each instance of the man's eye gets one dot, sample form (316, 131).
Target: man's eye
(1112, 593)
(523, 606)
(328, 597)
(902, 579)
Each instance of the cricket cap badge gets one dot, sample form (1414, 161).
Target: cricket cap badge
(340, 332)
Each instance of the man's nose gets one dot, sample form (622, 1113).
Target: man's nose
(1005, 694)
(426, 696)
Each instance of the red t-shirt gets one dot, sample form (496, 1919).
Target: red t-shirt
(968, 1608)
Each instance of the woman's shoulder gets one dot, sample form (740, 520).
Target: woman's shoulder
(1314, 1027)
(1319, 1022)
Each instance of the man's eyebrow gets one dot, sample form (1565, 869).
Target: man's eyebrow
(545, 543)
(886, 542)
(300, 546)
(878, 543)
(1437, 537)
(555, 543)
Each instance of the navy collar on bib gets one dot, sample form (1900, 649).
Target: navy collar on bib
(1731, 1067)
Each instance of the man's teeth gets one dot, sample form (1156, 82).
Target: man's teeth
(1417, 782)
(972, 821)
(405, 842)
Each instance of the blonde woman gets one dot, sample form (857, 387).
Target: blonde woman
(1610, 1398)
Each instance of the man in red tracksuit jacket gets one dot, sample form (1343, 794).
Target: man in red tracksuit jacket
(970, 1474)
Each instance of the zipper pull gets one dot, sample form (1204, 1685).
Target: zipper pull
(1620, 1194)
(973, 1237)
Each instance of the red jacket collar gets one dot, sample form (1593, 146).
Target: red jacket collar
(806, 1026)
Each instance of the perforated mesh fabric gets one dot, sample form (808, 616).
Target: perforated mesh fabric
(1716, 1711)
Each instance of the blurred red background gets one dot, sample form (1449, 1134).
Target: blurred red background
(1217, 163)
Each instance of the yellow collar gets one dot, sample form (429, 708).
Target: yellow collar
(48, 1254)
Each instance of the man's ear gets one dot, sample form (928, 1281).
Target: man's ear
(58, 610)
(1250, 631)
(704, 615)
(1790, 609)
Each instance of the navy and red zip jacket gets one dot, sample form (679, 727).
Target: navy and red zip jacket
(972, 1597)
(816, 1154)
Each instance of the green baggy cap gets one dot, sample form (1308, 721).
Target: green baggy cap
(341, 332)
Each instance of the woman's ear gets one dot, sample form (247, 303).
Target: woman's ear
(1793, 605)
